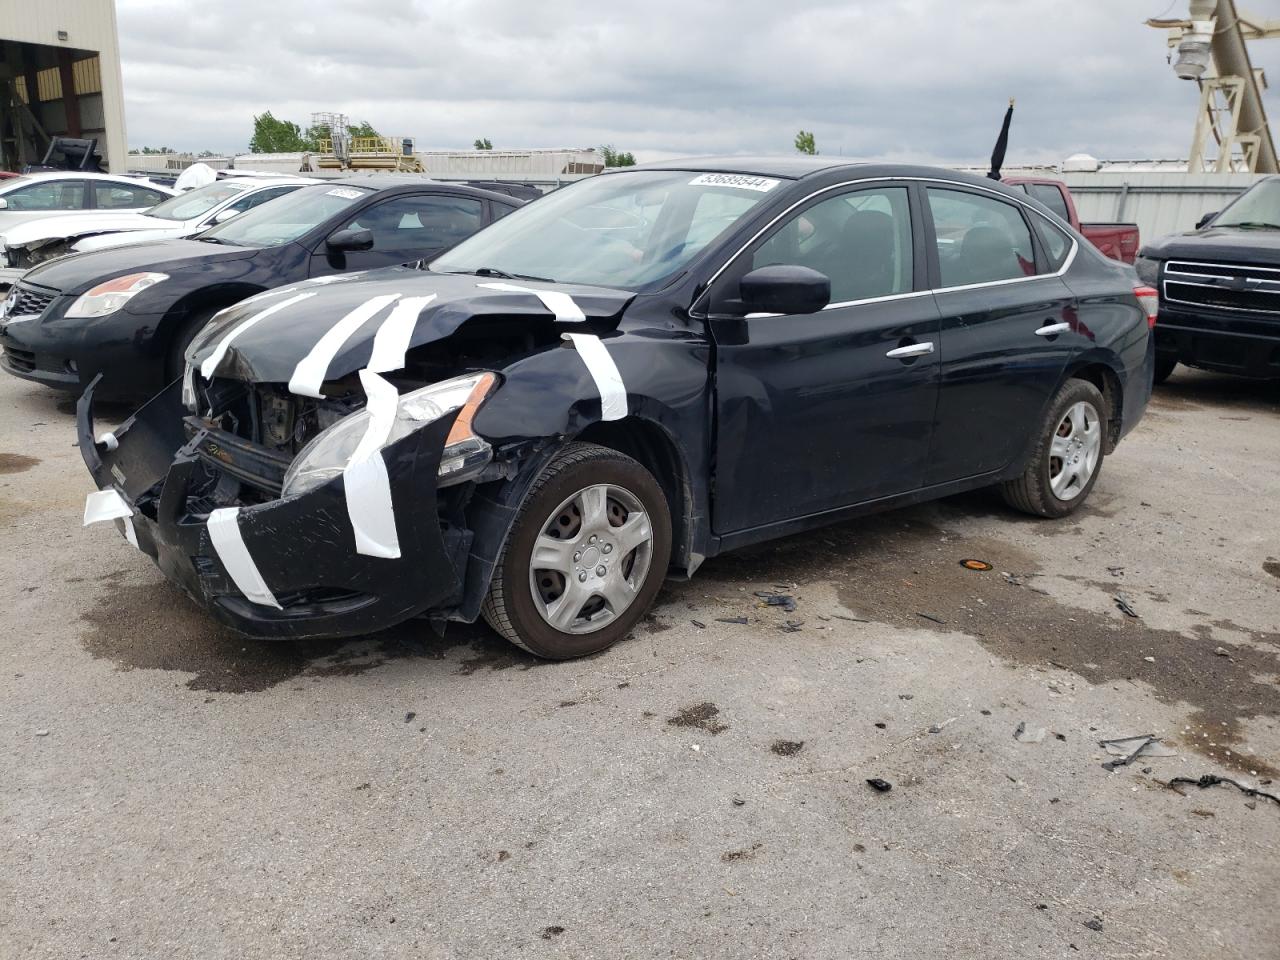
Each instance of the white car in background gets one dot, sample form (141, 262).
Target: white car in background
(39, 196)
(184, 215)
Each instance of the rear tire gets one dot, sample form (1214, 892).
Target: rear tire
(1164, 367)
(1068, 456)
(586, 555)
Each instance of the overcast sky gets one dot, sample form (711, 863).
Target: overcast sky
(923, 80)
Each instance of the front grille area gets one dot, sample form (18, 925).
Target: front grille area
(1223, 286)
(31, 301)
(20, 360)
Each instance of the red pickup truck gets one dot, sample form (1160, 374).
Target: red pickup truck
(1119, 241)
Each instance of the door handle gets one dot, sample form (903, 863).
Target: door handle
(911, 350)
(1053, 329)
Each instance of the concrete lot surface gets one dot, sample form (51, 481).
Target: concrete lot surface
(168, 789)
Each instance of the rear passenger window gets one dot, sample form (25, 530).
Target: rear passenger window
(1056, 243)
(980, 239)
(861, 241)
(1052, 198)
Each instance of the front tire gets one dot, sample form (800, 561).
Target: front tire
(1070, 448)
(586, 555)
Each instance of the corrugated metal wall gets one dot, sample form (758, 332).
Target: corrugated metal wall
(1159, 203)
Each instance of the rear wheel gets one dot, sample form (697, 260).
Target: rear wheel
(585, 558)
(1164, 367)
(1068, 455)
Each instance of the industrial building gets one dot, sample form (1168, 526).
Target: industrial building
(60, 77)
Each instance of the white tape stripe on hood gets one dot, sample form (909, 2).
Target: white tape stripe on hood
(613, 392)
(211, 362)
(368, 488)
(392, 339)
(561, 304)
(308, 375)
(224, 534)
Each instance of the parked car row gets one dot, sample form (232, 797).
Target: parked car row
(584, 395)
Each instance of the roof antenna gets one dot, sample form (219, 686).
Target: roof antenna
(1002, 142)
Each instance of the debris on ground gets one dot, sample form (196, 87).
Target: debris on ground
(787, 748)
(1116, 571)
(929, 616)
(1212, 780)
(699, 715)
(938, 727)
(1129, 749)
(738, 802)
(1222, 652)
(979, 565)
(881, 786)
(783, 600)
(1012, 580)
(1024, 734)
(731, 619)
(792, 626)
(841, 616)
(699, 624)
(1095, 924)
(1125, 606)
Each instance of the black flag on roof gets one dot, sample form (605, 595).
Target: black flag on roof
(1002, 143)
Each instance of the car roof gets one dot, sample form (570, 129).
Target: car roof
(75, 175)
(389, 181)
(249, 181)
(789, 168)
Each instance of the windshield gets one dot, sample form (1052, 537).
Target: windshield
(285, 218)
(1258, 206)
(628, 230)
(195, 203)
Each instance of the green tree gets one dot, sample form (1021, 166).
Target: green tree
(277, 136)
(616, 158)
(155, 150)
(483, 143)
(805, 144)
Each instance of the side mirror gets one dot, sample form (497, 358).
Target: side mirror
(345, 241)
(785, 289)
(4, 204)
(222, 216)
(1206, 220)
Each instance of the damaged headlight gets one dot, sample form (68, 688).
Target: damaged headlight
(464, 454)
(109, 297)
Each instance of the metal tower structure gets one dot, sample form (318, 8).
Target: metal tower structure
(1211, 50)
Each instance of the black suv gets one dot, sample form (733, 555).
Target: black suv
(130, 312)
(1220, 289)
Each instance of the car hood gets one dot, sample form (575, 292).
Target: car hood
(268, 335)
(1219, 243)
(80, 272)
(56, 228)
(118, 238)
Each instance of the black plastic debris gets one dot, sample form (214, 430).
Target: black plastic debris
(792, 626)
(1095, 924)
(929, 616)
(408, 717)
(1212, 780)
(699, 624)
(881, 786)
(738, 802)
(783, 600)
(731, 619)
(1125, 607)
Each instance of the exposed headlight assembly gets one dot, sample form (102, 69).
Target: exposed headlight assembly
(109, 297)
(464, 455)
(1148, 270)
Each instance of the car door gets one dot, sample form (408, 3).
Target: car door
(1008, 329)
(405, 228)
(824, 410)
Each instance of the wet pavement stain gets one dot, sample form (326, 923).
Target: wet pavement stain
(701, 716)
(888, 568)
(16, 462)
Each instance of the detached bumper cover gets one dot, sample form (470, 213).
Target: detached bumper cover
(303, 547)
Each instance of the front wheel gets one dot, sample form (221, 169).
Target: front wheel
(1068, 455)
(585, 558)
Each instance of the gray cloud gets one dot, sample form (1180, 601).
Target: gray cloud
(917, 79)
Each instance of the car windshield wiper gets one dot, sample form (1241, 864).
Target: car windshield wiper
(1258, 224)
(217, 240)
(504, 275)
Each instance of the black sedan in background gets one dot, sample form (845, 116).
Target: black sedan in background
(633, 374)
(129, 312)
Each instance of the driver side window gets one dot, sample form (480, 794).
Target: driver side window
(861, 241)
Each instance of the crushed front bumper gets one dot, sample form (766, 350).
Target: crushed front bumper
(303, 547)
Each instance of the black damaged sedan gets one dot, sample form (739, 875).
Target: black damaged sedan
(605, 388)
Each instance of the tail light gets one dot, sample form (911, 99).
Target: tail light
(1149, 300)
